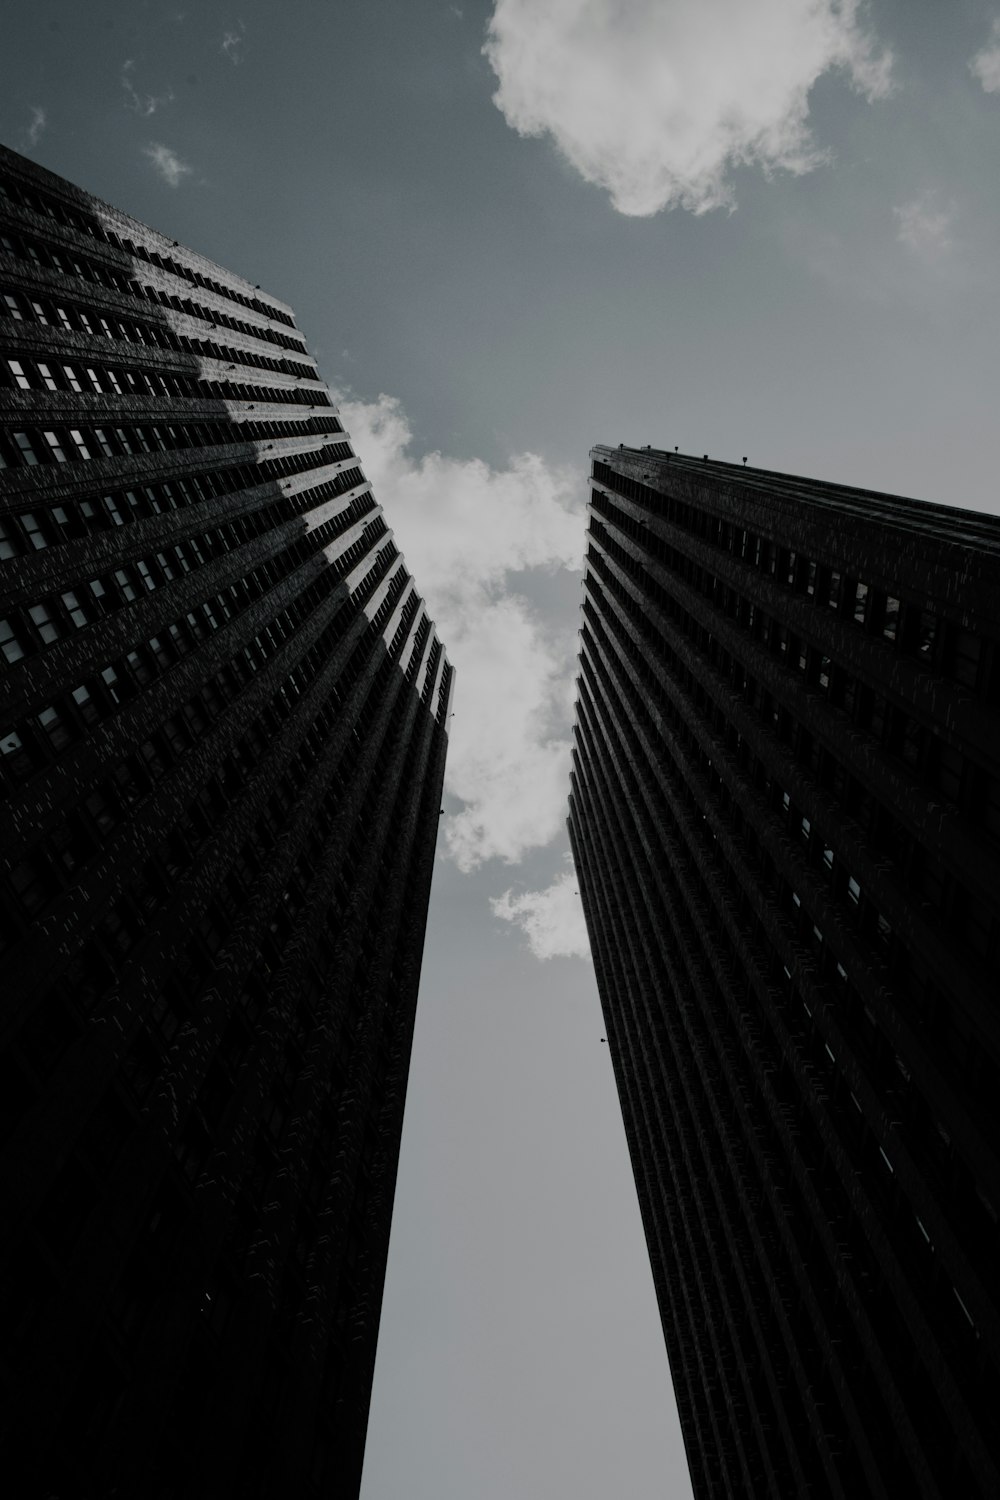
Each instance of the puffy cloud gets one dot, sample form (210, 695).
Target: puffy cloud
(167, 163)
(232, 44)
(656, 102)
(142, 104)
(986, 64)
(33, 132)
(552, 920)
(925, 227)
(467, 531)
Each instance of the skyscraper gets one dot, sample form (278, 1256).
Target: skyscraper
(223, 722)
(785, 815)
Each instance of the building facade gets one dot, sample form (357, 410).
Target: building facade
(223, 723)
(785, 816)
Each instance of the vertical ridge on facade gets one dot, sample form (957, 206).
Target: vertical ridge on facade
(785, 816)
(223, 725)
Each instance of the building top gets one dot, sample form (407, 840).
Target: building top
(968, 528)
(35, 190)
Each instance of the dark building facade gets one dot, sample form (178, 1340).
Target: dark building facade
(223, 720)
(785, 816)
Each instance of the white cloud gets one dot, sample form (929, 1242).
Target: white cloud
(552, 920)
(232, 44)
(33, 132)
(925, 227)
(656, 102)
(466, 531)
(986, 64)
(167, 163)
(142, 104)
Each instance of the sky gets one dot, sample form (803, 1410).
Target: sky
(512, 229)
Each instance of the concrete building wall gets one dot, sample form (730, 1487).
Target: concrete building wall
(786, 821)
(223, 722)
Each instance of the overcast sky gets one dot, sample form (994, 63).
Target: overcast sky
(511, 230)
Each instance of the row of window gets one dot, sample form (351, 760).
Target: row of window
(29, 446)
(939, 766)
(66, 316)
(705, 1050)
(860, 912)
(915, 629)
(856, 907)
(45, 203)
(50, 258)
(691, 888)
(28, 374)
(75, 519)
(63, 721)
(918, 869)
(39, 877)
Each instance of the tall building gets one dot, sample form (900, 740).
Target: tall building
(785, 816)
(223, 720)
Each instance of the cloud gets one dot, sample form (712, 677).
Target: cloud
(552, 920)
(467, 531)
(925, 228)
(656, 102)
(232, 43)
(167, 163)
(986, 64)
(142, 104)
(33, 133)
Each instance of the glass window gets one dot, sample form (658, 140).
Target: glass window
(8, 547)
(48, 379)
(125, 584)
(42, 620)
(74, 608)
(890, 621)
(860, 602)
(55, 447)
(23, 444)
(77, 439)
(34, 530)
(20, 378)
(9, 643)
(72, 378)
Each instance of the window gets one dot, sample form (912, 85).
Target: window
(20, 378)
(860, 602)
(42, 620)
(74, 608)
(9, 643)
(25, 448)
(890, 620)
(56, 449)
(52, 722)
